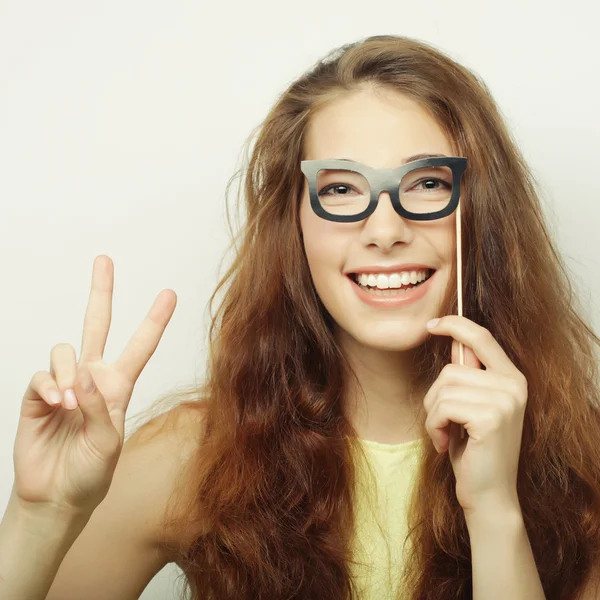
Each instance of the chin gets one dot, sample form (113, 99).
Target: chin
(399, 337)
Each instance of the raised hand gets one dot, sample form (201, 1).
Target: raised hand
(65, 454)
(491, 405)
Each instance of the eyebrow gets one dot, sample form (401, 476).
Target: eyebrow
(406, 160)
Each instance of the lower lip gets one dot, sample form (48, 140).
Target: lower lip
(402, 299)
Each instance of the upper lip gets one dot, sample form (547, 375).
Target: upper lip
(389, 269)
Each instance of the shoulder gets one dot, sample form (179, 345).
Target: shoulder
(163, 447)
(181, 426)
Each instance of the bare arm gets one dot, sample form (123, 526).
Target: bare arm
(502, 559)
(503, 562)
(32, 546)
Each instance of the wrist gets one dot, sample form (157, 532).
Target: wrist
(494, 513)
(44, 519)
(49, 521)
(39, 511)
(34, 539)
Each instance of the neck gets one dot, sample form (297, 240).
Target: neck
(384, 407)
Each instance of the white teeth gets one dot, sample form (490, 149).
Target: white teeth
(383, 282)
(394, 280)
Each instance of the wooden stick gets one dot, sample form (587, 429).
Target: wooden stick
(461, 351)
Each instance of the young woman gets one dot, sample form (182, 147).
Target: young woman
(322, 457)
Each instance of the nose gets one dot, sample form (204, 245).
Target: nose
(384, 227)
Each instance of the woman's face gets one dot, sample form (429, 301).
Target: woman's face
(381, 132)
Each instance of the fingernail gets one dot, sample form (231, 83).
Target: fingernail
(70, 399)
(55, 397)
(432, 323)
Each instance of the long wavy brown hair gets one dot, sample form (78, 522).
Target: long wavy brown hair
(268, 493)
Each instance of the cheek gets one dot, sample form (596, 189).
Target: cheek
(322, 242)
(323, 252)
(325, 246)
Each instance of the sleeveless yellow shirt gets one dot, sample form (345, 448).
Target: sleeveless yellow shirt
(384, 501)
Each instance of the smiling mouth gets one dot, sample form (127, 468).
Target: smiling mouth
(354, 278)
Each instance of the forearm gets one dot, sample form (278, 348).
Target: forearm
(32, 547)
(502, 560)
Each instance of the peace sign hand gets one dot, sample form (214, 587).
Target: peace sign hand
(65, 458)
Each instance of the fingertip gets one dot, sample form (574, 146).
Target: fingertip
(54, 397)
(172, 295)
(70, 399)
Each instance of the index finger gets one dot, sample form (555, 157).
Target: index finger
(479, 339)
(147, 336)
(99, 310)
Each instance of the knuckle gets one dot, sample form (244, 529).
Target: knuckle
(519, 389)
(449, 371)
(39, 376)
(42, 379)
(443, 404)
(43, 384)
(494, 418)
(507, 407)
(516, 406)
(447, 391)
(484, 333)
(524, 384)
(428, 427)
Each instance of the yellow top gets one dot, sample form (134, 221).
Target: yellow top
(395, 467)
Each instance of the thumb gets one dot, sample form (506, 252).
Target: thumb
(92, 405)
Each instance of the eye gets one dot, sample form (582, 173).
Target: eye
(445, 184)
(434, 180)
(335, 185)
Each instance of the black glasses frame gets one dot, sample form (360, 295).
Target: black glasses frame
(384, 180)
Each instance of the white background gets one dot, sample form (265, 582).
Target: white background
(122, 121)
